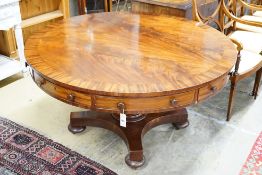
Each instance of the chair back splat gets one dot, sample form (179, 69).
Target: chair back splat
(224, 15)
(212, 19)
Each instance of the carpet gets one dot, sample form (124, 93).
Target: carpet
(253, 165)
(23, 152)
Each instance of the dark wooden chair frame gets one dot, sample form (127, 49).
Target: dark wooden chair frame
(82, 6)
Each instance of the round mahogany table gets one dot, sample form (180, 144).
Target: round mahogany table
(148, 67)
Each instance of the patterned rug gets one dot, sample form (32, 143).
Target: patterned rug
(24, 152)
(253, 165)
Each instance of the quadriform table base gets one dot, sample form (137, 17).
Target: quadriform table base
(132, 134)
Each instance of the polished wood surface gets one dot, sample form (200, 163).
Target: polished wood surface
(144, 7)
(6, 46)
(132, 105)
(81, 7)
(132, 55)
(180, 8)
(179, 4)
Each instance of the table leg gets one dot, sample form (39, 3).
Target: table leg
(137, 126)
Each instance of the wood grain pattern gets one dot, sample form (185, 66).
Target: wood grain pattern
(132, 105)
(145, 105)
(7, 43)
(180, 8)
(130, 55)
(28, 31)
(31, 8)
(66, 95)
(64, 8)
(179, 4)
(157, 9)
(212, 88)
(81, 7)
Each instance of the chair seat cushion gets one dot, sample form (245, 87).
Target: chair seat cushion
(248, 27)
(251, 41)
(248, 61)
(258, 14)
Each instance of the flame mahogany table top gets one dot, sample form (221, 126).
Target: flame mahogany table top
(131, 55)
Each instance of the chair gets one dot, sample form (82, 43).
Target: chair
(246, 29)
(253, 8)
(248, 59)
(230, 9)
(108, 6)
(255, 14)
(82, 6)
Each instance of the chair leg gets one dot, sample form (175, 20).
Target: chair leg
(257, 83)
(231, 99)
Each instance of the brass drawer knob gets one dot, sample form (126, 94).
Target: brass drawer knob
(173, 102)
(71, 97)
(213, 89)
(121, 107)
(40, 82)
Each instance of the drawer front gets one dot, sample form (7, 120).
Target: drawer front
(132, 105)
(145, 105)
(156, 9)
(66, 95)
(212, 88)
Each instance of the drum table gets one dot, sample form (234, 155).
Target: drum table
(146, 68)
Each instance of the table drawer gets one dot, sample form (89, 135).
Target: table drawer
(66, 95)
(212, 88)
(145, 105)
